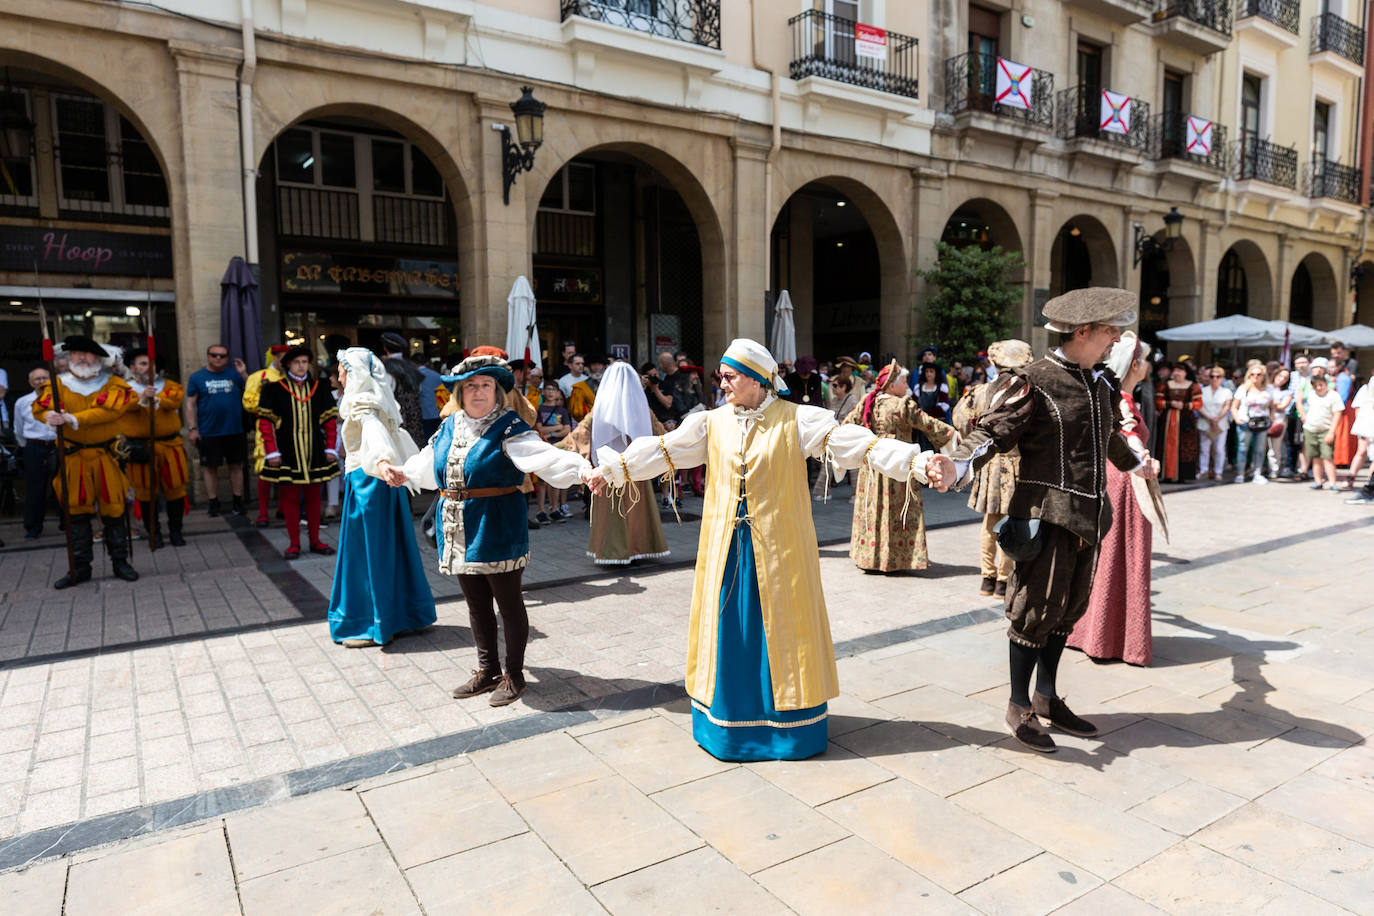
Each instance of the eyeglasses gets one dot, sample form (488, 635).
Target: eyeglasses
(218, 355)
(1217, 375)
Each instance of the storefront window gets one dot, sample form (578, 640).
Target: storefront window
(81, 140)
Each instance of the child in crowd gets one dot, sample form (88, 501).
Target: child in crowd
(554, 423)
(1319, 411)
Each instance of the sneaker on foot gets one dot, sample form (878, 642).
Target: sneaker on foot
(1026, 728)
(1260, 479)
(1240, 478)
(213, 509)
(1057, 713)
(1359, 501)
(480, 682)
(1316, 486)
(507, 691)
(542, 518)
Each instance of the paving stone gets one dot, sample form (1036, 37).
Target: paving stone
(1354, 765)
(1040, 885)
(1335, 805)
(38, 889)
(1187, 807)
(825, 777)
(701, 881)
(441, 814)
(605, 829)
(518, 876)
(931, 760)
(902, 820)
(325, 886)
(965, 720)
(852, 876)
(289, 834)
(1070, 825)
(186, 874)
(547, 763)
(650, 753)
(1191, 879)
(1108, 899)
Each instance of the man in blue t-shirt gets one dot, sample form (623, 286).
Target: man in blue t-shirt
(214, 414)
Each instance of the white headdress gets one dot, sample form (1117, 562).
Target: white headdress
(367, 393)
(621, 413)
(1125, 352)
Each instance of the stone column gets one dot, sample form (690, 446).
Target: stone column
(1038, 253)
(1283, 282)
(744, 307)
(207, 214)
(1208, 260)
(501, 239)
(931, 206)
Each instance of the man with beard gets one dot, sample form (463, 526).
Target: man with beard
(94, 400)
(166, 457)
(1061, 411)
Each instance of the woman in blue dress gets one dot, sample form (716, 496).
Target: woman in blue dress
(380, 588)
(477, 461)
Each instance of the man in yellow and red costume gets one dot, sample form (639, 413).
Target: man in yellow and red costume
(94, 399)
(160, 397)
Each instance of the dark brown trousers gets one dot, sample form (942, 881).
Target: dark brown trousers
(1048, 595)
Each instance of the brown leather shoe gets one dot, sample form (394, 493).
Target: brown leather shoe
(989, 583)
(480, 682)
(507, 691)
(1057, 713)
(1026, 728)
(1001, 590)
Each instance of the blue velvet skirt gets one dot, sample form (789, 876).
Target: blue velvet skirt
(742, 723)
(379, 582)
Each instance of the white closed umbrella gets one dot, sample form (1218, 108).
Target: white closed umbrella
(522, 338)
(1354, 336)
(783, 343)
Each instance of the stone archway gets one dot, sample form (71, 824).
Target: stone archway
(1364, 293)
(1168, 287)
(1083, 255)
(983, 222)
(1245, 284)
(1321, 292)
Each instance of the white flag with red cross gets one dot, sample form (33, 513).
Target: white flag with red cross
(1198, 137)
(1014, 89)
(1116, 113)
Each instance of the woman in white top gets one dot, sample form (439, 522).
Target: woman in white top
(1253, 411)
(1213, 420)
(1363, 429)
(1278, 381)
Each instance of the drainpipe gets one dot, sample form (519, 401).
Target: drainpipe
(250, 173)
(773, 148)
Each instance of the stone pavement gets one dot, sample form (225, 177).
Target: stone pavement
(258, 771)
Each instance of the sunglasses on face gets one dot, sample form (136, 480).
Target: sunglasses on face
(219, 355)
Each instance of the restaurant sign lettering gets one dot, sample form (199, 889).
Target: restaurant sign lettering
(367, 275)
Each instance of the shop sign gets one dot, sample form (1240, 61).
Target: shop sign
(870, 41)
(367, 275)
(84, 251)
(576, 285)
(620, 351)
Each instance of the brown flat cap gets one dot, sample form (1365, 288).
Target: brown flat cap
(1092, 305)
(1010, 354)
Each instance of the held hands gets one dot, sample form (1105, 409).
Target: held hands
(595, 479)
(394, 476)
(940, 472)
(274, 462)
(56, 418)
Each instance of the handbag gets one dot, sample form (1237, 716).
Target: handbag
(1020, 538)
(1275, 428)
(137, 451)
(1257, 424)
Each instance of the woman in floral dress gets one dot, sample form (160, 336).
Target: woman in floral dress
(889, 529)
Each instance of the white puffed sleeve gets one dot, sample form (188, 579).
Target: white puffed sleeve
(419, 469)
(558, 467)
(645, 457)
(847, 445)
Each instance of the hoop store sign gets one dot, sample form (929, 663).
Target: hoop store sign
(81, 251)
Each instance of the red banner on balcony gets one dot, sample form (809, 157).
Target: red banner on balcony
(1014, 84)
(1116, 113)
(1198, 140)
(870, 41)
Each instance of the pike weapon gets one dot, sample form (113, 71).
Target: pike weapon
(154, 484)
(56, 389)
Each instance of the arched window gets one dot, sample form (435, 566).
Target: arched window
(1233, 296)
(1300, 297)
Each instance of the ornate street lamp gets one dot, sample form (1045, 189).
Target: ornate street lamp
(16, 130)
(1146, 244)
(518, 155)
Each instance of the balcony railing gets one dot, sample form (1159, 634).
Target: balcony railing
(1332, 33)
(824, 45)
(1260, 160)
(317, 213)
(1078, 113)
(1331, 179)
(971, 85)
(409, 220)
(1286, 14)
(695, 21)
(1170, 130)
(1214, 14)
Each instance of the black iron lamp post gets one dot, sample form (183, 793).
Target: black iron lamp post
(518, 155)
(16, 130)
(1146, 244)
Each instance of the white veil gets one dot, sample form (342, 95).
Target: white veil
(367, 393)
(621, 412)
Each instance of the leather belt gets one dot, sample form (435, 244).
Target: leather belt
(477, 492)
(74, 447)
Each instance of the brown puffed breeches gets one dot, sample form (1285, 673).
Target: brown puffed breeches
(1048, 595)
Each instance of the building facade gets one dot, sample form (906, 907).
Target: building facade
(697, 156)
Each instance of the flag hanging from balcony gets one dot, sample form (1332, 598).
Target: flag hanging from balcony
(1198, 138)
(1116, 113)
(1014, 84)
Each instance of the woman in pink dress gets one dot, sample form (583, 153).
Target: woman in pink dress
(1117, 624)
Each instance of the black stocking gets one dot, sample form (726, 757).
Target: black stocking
(1049, 665)
(1023, 660)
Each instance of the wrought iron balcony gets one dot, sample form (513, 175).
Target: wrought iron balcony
(1332, 33)
(1260, 160)
(1214, 14)
(1331, 179)
(1286, 14)
(971, 85)
(1170, 131)
(824, 45)
(1078, 113)
(694, 21)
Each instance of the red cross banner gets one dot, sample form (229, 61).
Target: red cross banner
(1198, 139)
(1116, 113)
(1014, 84)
